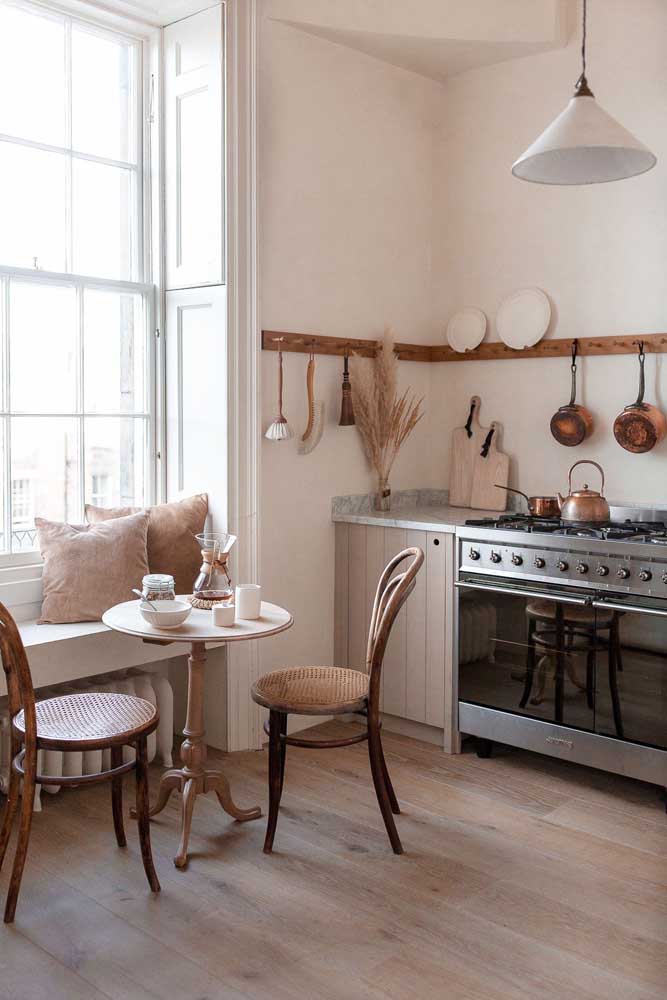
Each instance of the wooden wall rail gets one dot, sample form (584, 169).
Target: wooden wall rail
(304, 343)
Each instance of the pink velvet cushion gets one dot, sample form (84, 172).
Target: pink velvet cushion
(90, 567)
(172, 546)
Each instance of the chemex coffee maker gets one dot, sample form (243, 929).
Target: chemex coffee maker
(213, 584)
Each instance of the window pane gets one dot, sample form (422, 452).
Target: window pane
(33, 189)
(115, 449)
(4, 541)
(45, 470)
(114, 352)
(32, 76)
(42, 348)
(103, 219)
(103, 82)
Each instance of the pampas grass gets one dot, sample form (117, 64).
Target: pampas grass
(383, 418)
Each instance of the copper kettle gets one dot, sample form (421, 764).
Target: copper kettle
(584, 505)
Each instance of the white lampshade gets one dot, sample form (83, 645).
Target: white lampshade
(584, 145)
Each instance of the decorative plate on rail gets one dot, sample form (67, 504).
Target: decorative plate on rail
(523, 318)
(466, 329)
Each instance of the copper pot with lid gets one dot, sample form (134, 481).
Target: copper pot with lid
(584, 505)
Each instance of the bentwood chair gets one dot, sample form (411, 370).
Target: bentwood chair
(561, 632)
(87, 721)
(339, 691)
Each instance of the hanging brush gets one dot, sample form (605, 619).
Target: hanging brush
(312, 435)
(279, 429)
(346, 408)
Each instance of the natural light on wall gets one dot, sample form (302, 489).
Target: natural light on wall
(77, 414)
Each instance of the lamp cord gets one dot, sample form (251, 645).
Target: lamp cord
(583, 42)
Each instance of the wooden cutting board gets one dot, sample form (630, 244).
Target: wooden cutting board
(466, 443)
(491, 467)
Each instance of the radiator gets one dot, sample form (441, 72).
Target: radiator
(477, 629)
(151, 686)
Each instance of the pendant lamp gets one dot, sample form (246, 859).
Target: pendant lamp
(584, 145)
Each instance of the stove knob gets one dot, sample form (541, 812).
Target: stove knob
(540, 563)
(495, 557)
(517, 560)
(474, 554)
(645, 575)
(562, 565)
(602, 570)
(582, 568)
(622, 573)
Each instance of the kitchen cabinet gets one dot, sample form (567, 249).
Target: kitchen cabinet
(417, 673)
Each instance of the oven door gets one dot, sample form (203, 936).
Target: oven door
(531, 651)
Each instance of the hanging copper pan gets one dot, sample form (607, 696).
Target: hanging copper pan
(640, 426)
(572, 423)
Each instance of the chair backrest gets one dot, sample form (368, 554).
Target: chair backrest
(390, 596)
(21, 694)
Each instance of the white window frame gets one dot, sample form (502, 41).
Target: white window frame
(19, 568)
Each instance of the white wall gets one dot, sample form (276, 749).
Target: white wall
(388, 199)
(600, 252)
(347, 162)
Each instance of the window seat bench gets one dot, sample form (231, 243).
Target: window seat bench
(61, 653)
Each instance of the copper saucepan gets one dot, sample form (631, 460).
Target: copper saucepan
(537, 506)
(572, 423)
(640, 426)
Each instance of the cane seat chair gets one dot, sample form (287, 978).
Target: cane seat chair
(86, 721)
(339, 691)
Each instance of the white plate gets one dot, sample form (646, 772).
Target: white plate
(466, 329)
(523, 318)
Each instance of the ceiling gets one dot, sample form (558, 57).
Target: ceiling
(435, 38)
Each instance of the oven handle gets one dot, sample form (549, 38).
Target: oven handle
(613, 606)
(539, 594)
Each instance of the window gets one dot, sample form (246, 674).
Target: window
(76, 354)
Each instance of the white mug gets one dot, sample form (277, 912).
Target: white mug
(248, 600)
(223, 615)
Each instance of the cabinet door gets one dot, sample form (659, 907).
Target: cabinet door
(194, 116)
(436, 571)
(196, 392)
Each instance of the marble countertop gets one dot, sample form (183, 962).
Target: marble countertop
(420, 518)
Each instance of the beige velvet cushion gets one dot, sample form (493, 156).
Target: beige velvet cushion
(90, 567)
(172, 546)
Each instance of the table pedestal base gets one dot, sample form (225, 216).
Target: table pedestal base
(194, 778)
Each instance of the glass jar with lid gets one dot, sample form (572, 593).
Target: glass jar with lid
(158, 587)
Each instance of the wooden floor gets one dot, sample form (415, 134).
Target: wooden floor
(523, 877)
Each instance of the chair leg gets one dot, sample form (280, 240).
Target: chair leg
(25, 822)
(143, 821)
(10, 812)
(393, 801)
(375, 757)
(283, 748)
(530, 665)
(590, 674)
(117, 797)
(613, 651)
(276, 763)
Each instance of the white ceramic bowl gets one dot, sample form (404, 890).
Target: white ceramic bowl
(168, 614)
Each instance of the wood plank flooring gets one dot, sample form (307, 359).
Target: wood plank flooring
(523, 877)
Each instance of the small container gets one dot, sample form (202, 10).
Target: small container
(223, 615)
(158, 587)
(248, 600)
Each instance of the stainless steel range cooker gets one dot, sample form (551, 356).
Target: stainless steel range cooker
(562, 638)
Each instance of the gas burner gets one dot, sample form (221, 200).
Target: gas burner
(630, 531)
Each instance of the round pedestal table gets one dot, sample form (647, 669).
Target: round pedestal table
(194, 777)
